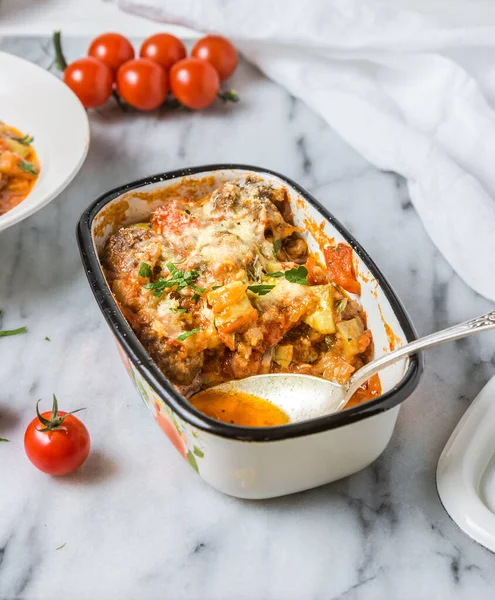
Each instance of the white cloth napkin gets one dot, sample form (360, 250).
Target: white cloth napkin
(406, 83)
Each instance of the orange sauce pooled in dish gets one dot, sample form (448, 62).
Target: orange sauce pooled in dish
(368, 391)
(238, 408)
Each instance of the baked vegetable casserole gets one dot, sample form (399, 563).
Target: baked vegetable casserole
(225, 287)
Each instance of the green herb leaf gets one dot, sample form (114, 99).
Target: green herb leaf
(178, 278)
(349, 339)
(277, 244)
(145, 270)
(187, 211)
(62, 546)
(172, 268)
(25, 140)
(277, 274)
(195, 297)
(261, 289)
(216, 287)
(186, 334)
(7, 332)
(4, 440)
(340, 306)
(27, 166)
(47, 339)
(298, 275)
(159, 286)
(177, 310)
(198, 452)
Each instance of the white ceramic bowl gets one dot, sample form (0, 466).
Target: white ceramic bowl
(466, 470)
(37, 103)
(260, 462)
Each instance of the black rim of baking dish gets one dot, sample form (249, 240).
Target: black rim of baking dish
(157, 380)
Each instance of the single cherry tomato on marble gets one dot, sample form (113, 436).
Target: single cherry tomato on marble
(219, 52)
(194, 82)
(163, 48)
(113, 49)
(142, 83)
(56, 442)
(90, 80)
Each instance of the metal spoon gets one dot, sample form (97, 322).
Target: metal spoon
(306, 397)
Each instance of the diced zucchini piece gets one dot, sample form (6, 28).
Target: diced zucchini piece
(283, 355)
(141, 225)
(322, 319)
(349, 332)
(18, 148)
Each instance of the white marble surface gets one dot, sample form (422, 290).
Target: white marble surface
(136, 520)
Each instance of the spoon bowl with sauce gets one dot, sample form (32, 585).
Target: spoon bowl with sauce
(296, 397)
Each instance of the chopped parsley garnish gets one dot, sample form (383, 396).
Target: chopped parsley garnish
(7, 332)
(4, 440)
(261, 289)
(340, 306)
(178, 310)
(27, 166)
(26, 140)
(178, 278)
(215, 287)
(62, 546)
(195, 297)
(277, 244)
(186, 334)
(298, 275)
(47, 339)
(349, 339)
(159, 286)
(145, 270)
(187, 211)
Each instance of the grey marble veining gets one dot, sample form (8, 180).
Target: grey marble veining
(136, 521)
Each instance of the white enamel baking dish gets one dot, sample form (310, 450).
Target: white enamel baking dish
(257, 462)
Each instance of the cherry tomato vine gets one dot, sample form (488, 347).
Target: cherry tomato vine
(162, 75)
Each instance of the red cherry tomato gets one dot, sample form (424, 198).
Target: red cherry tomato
(112, 49)
(194, 82)
(163, 48)
(90, 80)
(219, 52)
(142, 83)
(56, 442)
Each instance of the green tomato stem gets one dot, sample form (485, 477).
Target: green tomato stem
(59, 61)
(229, 96)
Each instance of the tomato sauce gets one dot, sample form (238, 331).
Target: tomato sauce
(368, 391)
(238, 408)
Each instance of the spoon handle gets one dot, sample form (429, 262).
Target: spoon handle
(476, 325)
